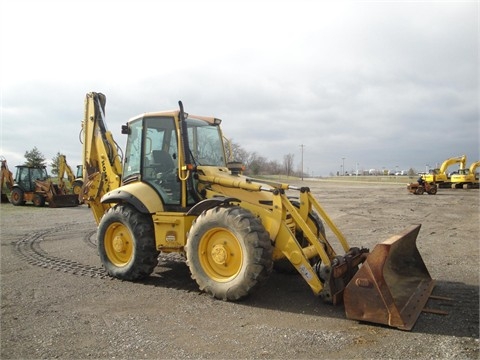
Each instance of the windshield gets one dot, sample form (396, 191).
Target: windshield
(205, 142)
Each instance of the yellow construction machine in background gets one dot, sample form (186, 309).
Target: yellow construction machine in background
(421, 186)
(439, 176)
(75, 180)
(6, 179)
(174, 191)
(466, 178)
(32, 184)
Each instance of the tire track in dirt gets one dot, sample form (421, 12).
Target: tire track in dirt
(29, 248)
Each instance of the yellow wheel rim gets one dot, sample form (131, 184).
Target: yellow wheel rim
(220, 254)
(118, 244)
(77, 189)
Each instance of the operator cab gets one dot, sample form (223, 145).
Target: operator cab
(25, 176)
(152, 154)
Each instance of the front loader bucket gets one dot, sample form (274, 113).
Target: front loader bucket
(63, 201)
(4, 198)
(393, 284)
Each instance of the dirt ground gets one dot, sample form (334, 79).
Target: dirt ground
(57, 302)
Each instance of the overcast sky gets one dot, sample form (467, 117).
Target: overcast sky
(381, 84)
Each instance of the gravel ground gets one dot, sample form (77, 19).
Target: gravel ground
(57, 302)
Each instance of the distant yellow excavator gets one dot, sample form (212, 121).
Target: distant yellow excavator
(439, 176)
(466, 178)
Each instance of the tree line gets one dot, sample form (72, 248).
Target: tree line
(254, 163)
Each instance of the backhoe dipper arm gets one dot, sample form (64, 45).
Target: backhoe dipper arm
(473, 167)
(6, 175)
(101, 159)
(63, 168)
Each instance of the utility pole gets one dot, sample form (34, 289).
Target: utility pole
(302, 146)
(343, 166)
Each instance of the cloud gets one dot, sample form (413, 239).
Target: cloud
(379, 84)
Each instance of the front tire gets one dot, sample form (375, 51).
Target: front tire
(229, 252)
(77, 189)
(126, 243)
(38, 200)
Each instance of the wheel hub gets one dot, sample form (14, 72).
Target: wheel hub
(119, 243)
(219, 254)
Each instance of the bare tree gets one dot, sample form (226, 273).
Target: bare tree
(235, 152)
(256, 164)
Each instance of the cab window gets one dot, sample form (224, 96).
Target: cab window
(133, 150)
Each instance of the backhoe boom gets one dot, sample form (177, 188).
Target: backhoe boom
(101, 159)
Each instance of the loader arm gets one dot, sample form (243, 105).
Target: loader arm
(102, 161)
(328, 280)
(389, 285)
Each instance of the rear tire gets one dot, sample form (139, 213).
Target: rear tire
(229, 252)
(126, 243)
(17, 197)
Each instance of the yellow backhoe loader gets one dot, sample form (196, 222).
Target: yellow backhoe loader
(440, 176)
(466, 178)
(32, 184)
(6, 179)
(76, 181)
(174, 192)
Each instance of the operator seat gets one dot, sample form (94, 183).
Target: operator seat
(162, 161)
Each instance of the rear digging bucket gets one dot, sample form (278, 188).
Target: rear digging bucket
(393, 284)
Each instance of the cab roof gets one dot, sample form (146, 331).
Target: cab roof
(175, 113)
